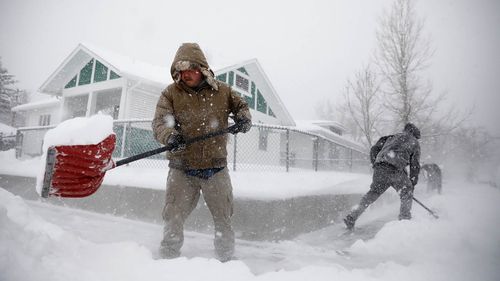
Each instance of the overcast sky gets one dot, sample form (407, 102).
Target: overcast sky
(307, 48)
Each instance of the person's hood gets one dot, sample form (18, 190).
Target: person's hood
(190, 56)
(412, 129)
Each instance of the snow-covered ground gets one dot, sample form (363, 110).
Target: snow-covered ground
(45, 242)
(246, 184)
(39, 241)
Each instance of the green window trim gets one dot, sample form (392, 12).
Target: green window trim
(231, 78)
(271, 113)
(222, 77)
(86, 73)
(243, 70)
(71, 83)
(261, 103)
(101, 72)
(113, 75)
(251, 99)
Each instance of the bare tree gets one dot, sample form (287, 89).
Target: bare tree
(362, 101)
(401, 56)
(325, 110)
(477, 150)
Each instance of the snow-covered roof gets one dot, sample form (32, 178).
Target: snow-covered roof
(123, 65)
(326, 123)
(258, 75)
(158, 76)
(313, 127)
(50, 102)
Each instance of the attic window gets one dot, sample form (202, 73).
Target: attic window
(243, 70)
(71, 83)
(251, 99)
(101, 72)
(242, 83)
(231, 78)
(261, 103)
(222, 77)
(113, 75)
(86, 73)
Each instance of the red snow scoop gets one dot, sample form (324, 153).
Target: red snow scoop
(78, 170)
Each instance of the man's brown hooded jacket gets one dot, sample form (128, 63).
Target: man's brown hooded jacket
(193, 113)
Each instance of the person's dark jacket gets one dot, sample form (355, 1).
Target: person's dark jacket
(400, 151)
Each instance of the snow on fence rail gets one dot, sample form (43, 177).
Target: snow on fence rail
(268, 147)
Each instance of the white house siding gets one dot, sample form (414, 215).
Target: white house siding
(141, 104)
(33, 117)
(259, 117)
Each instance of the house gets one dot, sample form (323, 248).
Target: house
(92, 80)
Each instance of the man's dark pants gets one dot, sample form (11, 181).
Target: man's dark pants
(385, 176)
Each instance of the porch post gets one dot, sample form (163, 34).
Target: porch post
(123, 100)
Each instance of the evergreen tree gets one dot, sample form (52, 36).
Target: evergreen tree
(6, 94)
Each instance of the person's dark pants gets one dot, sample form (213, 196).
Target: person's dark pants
(385, 176)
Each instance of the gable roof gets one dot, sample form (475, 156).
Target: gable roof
(157, 76)
(45, 103)
(122, 65)
(257, 74)
(316, 127)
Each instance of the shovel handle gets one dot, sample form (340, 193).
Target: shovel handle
(429, 210)
(170, 147)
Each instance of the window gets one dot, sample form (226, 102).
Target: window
(71, 83)
(251, 99)
(101, 72)
(243, 70)
(261, 103)
(75, 106)
(231, 78)
(242, 83)
(271, 113)
(222, 77)
(86, 73)
(44, 120)
(108, 102)
(113, 75)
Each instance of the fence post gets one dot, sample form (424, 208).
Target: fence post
(124, 139)
(315, 153)
(234, 151)
(287, 156)
(19, 144)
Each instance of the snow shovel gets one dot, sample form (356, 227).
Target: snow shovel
(429, 210)
(77, 171)
(423, 206)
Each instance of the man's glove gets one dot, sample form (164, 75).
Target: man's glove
(241, 126)
(176, 142)
(414, 180)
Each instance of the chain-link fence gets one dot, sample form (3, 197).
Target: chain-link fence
(264, 147)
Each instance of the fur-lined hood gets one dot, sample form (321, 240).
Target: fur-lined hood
(190, 56)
